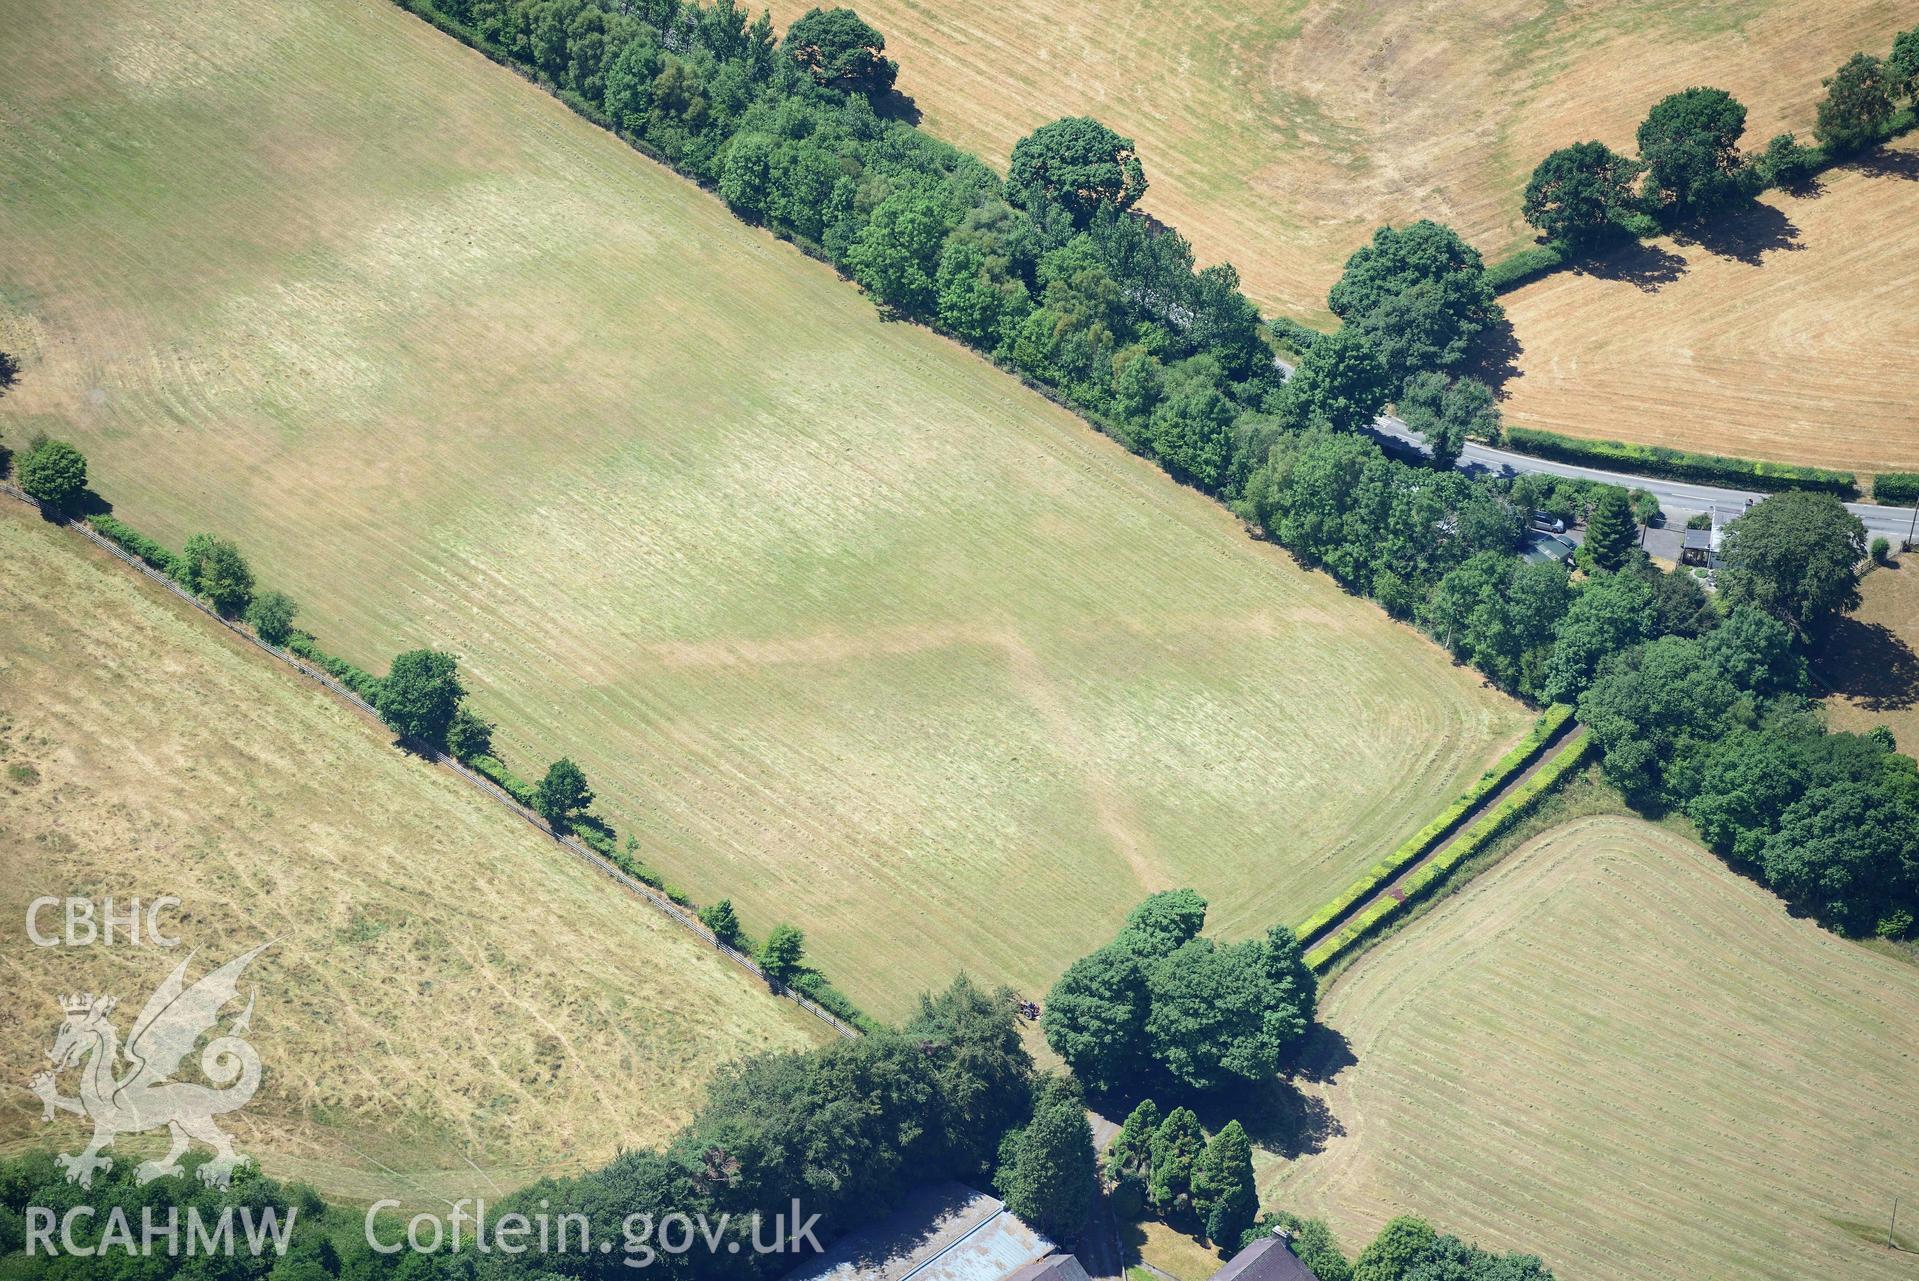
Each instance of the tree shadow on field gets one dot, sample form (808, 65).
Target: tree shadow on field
(1870, 663)
(1746, 235)
(1278, 1114)
(1494, 358)
(1640, 263)
(897, 106)
(1886, 163)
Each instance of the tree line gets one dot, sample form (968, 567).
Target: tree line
(1053, 272)
(421, 699)
(1689, 163)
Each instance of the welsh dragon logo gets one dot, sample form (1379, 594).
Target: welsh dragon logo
(129, 1089)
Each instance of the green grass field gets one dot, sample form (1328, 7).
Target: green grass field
(454, 1003)
(840, 620)
(1612, 1051)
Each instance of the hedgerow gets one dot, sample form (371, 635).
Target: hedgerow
(1900, 488)
(1679, 464)
(147, 549)
(1516, 268)
(1489, 826)
(1502, 772)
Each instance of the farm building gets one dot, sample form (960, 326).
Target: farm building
(1270, 1258)
(942, 1232)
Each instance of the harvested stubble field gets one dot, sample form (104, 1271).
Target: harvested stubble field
(840, 621)
(1277, 136)
(1614, 1052)
(448, 986)
(1789, 333)
(1870, 660)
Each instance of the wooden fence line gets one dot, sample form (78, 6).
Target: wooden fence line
(605, 866)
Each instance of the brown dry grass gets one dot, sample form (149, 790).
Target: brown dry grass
(1277, 136)
(1871, 662)
(1613, 1052)
(1791, 333)
(840, 621)
(448, 987)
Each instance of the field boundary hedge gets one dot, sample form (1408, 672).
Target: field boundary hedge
(1503, 771)
(1489, 825)
(1897, 488)
(339, 688)
(1679, 464)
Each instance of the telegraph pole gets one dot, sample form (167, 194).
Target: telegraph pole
(1892, 1225)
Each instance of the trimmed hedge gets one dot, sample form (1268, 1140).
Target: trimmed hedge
(1490, 825)
(1679, 464)
(1515, 269)
(1502, 772)
(1900, 488)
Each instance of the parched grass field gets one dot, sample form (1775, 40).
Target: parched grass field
(1277, 136)
(1870, 662)
(1614, 1052)
(454, 1004)
(1790, 333)
(839, 620)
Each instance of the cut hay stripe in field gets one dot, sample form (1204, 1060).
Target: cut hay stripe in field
(1278, 135)
(1612, 1051)
(1789, 333)
(840, 621)
(448, 987)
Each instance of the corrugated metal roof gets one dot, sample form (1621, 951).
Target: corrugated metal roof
(943, 1232)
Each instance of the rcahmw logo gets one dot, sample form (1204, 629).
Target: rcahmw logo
(161, 1232)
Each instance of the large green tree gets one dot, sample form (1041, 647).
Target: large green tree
(1689, 143)
(1132, 1151)
(1655, 712)
(271, 616)
(1048, 1173)
(782, 954)
(1857, 107)
(1163, 921)
(1500, 614)
(1578, 193)
(1903, 66)
(1080, 164)
(53, 472)
(1609, 615)
(562, 794)
(1795, 556)
(1398, 1248)
(1611, 531)
(1225, 1197)
(896, 257)
(1161, 1000)
(1447, 412)
(1095, 1017)
(214, 568)
(1341, 383)
(841, 51)
(1419, 293)
(1177, 1144)
(1206, 1021)
(419, 696)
